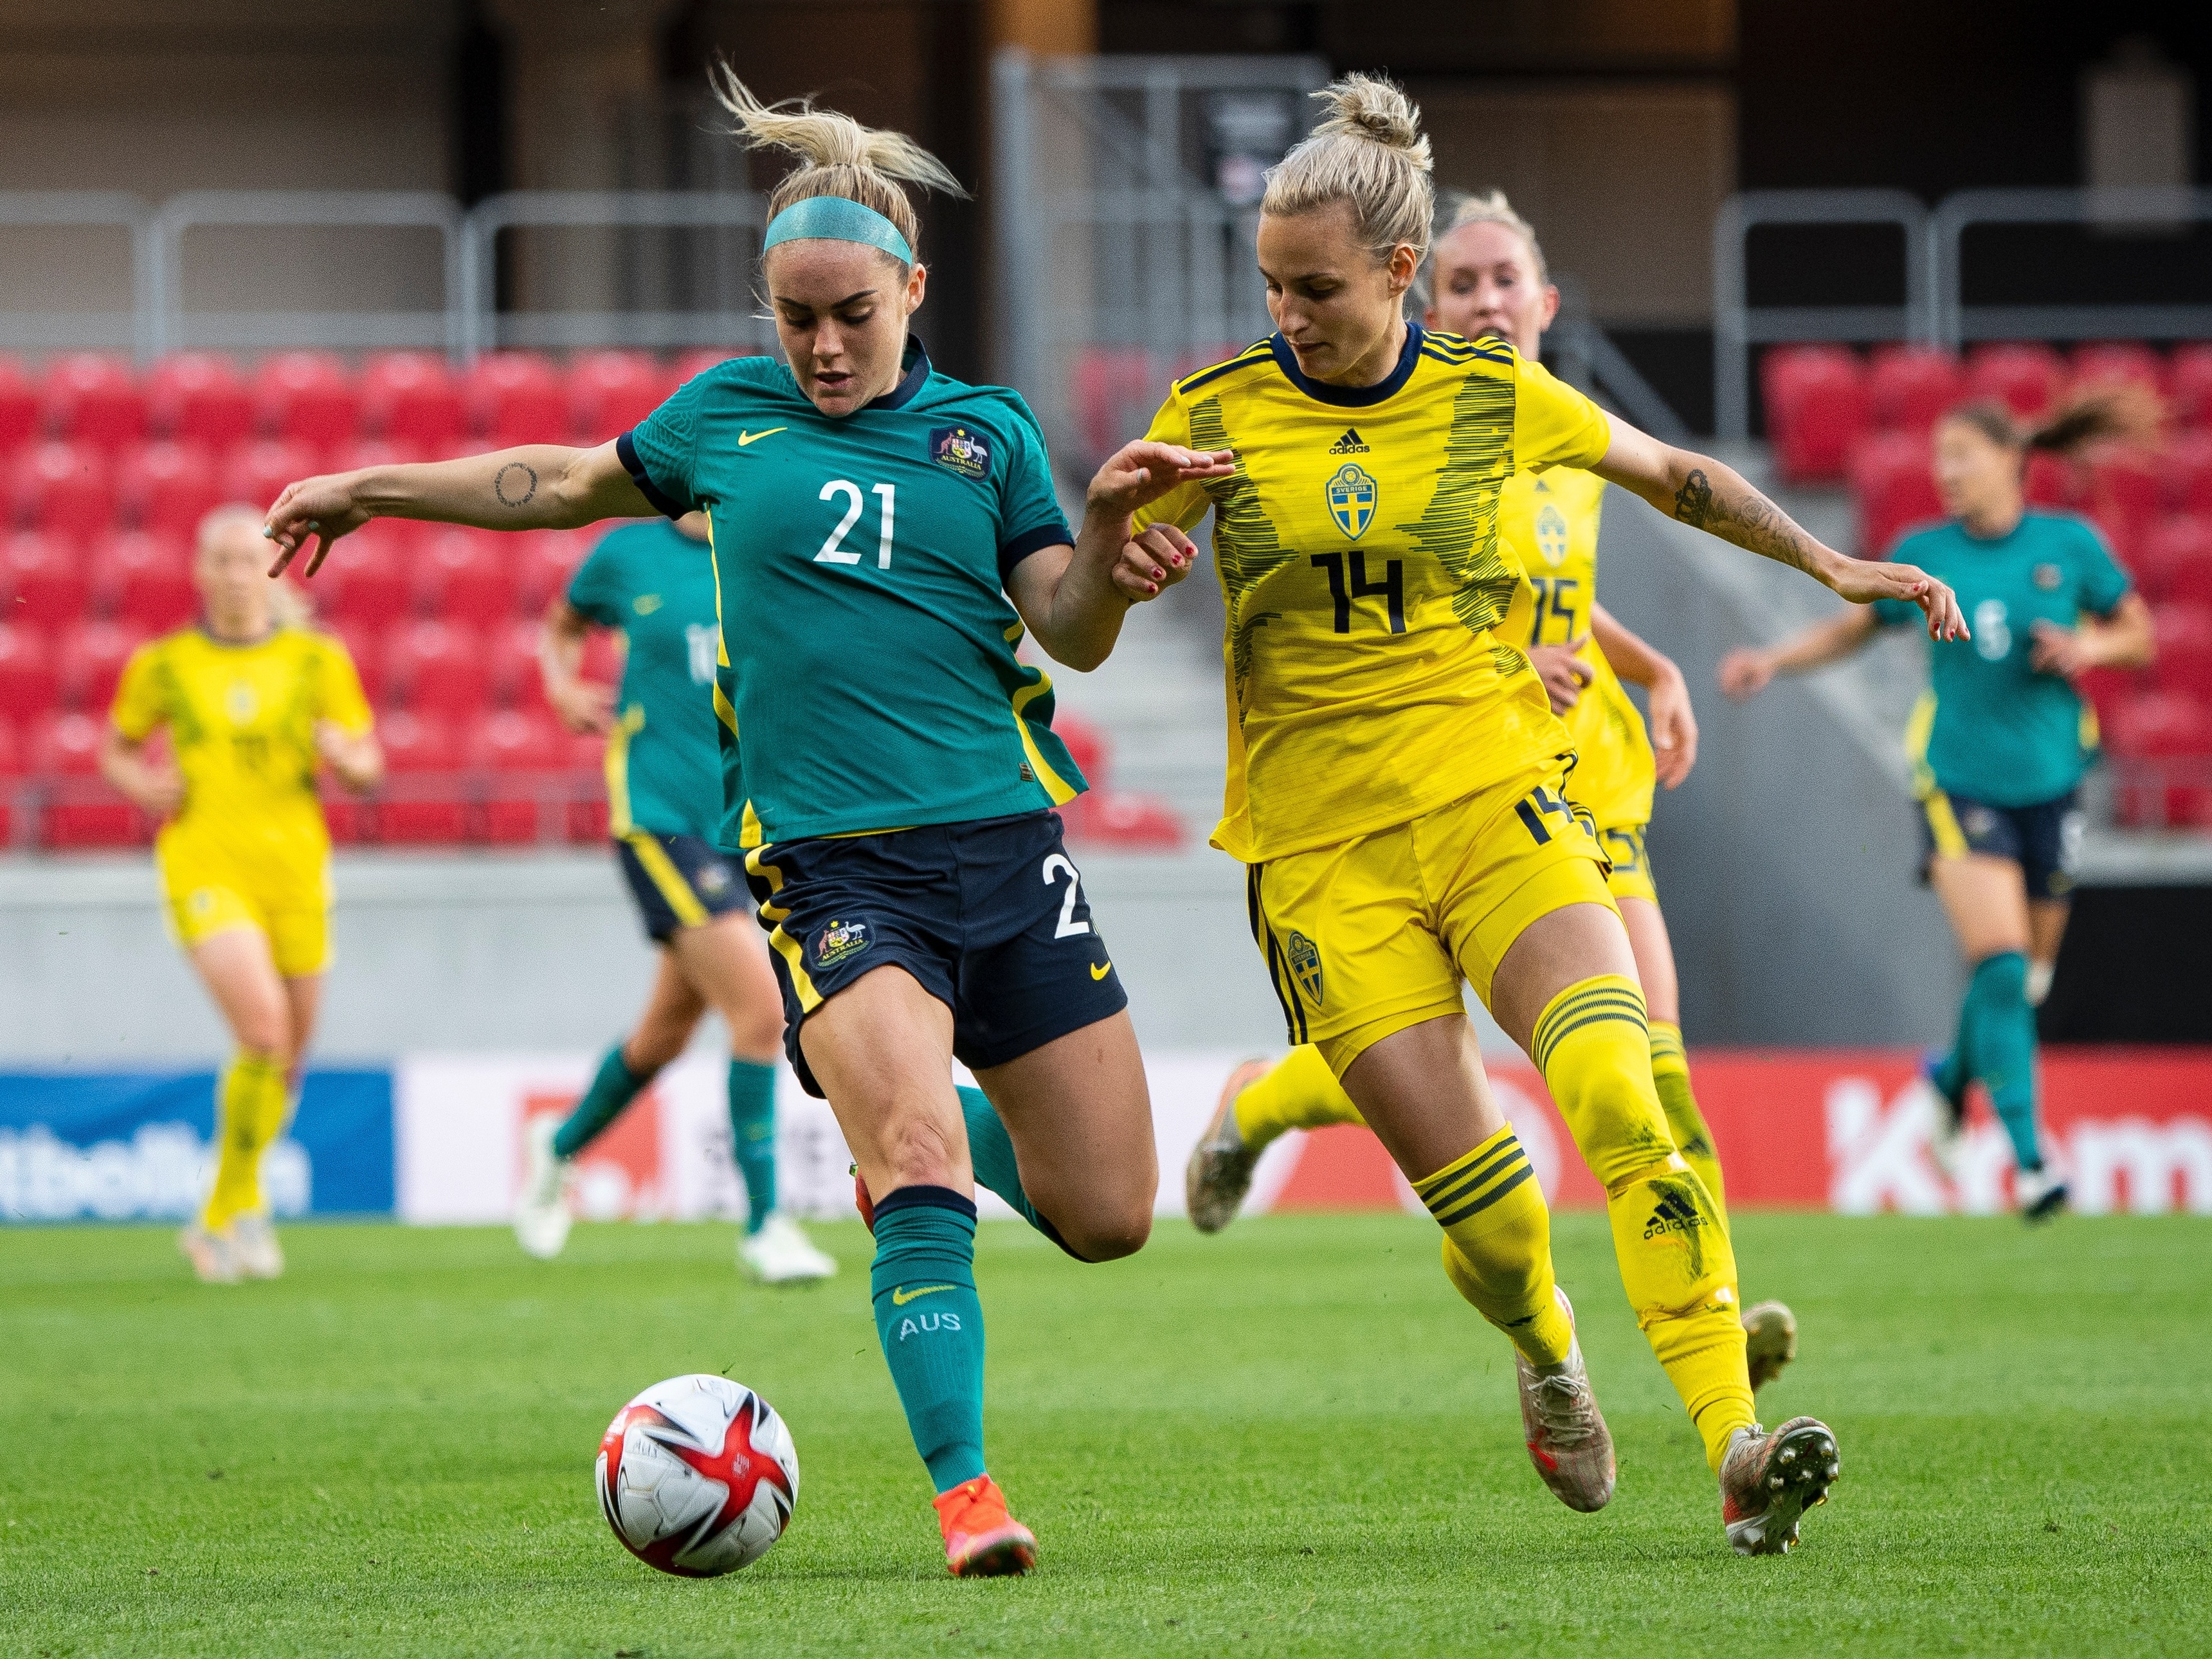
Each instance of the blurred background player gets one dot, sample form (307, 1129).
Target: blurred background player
(1396, 782)
(655, 584)
(252, 702)
(899, 768)
(2001, 739)
(1487, 276)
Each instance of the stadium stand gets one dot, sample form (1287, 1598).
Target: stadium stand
(105, 472)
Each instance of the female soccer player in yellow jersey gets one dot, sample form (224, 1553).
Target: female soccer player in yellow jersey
(254, 703)
(1487, 278)
(1397, 781)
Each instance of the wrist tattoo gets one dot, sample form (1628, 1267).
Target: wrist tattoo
(515, 484)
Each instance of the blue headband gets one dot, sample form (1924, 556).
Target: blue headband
(837, 219)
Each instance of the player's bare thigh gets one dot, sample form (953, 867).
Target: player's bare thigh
(1558, 949)
(1654, 958)
(1424, 1092)
(671, 1013)
(882, 1050)
(1985, 899)
(726, 964)
(239, 971)
(1079, 1113)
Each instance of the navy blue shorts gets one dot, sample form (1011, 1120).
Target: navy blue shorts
(2045, 840)
(990, 917)
(678, 881)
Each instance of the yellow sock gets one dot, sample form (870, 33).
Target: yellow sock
(1595, 1050)
(1300, 1093)
(1670, 1071)
(1498, 1244)
(252, 1112)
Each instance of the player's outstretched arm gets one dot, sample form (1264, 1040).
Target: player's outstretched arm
(531, 487)
(1073, 599)
(1699, 490)
(1745, 672)
(1674, 724)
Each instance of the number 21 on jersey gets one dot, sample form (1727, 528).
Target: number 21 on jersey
(833, 550)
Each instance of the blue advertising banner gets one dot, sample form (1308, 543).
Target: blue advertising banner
(130, 1145)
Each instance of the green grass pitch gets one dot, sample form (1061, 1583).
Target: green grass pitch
(1291, 1439)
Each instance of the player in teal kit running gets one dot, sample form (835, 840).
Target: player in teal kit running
(655, 585)
(889, 764)
(2000, 741)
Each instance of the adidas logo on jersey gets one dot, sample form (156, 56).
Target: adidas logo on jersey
(1349, 444)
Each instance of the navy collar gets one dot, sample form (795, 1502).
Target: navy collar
(1350, 396)
(916, 365)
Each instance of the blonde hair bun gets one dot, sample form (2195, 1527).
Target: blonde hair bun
(1371, 107)
(1370, 153)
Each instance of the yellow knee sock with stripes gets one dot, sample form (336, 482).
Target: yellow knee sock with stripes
(1670, 1071)
(1498, 1244)
(1593, 1048)
(250, 1115)
(1300, 1093)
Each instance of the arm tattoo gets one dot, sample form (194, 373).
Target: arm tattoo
(512, 489)
(1740, 515)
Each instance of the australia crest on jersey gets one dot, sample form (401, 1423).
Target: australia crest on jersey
(1352, 496)
(838, 940)
(968, 453)
(1305, 966)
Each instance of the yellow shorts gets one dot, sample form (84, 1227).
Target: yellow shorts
(202, 900)
(1367, 937)
(1631, 877)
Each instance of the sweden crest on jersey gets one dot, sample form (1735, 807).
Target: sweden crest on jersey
(1305, 965)
(1352, 493)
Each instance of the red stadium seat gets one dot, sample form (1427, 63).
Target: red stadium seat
(699, 359)
(2119, 362)
(2109, 691)
(29, 682)
(89, 397)
(466, 576)
(308, 397)
(515, 681)
(1817, 414)
(14, 761)
(2055, 481)
(2186, 472)
(2175, 548)
(364, 643)
(409, 398)
(19, 407)
(424, 802)
(64, 488)
(1909, 388)
(2184, 650)
(543, 561)
(376, 452)
(365, 577)
(149, 577)
(435, 666)
(197, 397)
(2124, 498)
(1106, 383)
(1087, 746)
(610, 391)
(2164, 744)
(512, 811)
(1111, 818)
(91, 661)
(258, 472)
(516, 398)
(84, 812)
(167, 486)
(2025, 378)
(43, 583)
(1892, 478)
(2189, 376)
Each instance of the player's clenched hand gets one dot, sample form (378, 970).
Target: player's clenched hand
(1674, 728)
(2060, 651)
(1864, 581)
(583, 706)
(158, 791)
(1563, 671)
(1746, 671)
(314, 509)
(1142, 472)
(1157, 557)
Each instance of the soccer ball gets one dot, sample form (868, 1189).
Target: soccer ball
(698, 1476)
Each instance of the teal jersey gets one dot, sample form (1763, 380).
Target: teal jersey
(867, 644)
(1999, 732)
(657, 586)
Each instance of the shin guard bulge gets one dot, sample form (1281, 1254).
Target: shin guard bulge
(1498, 1244)
(931, 1324)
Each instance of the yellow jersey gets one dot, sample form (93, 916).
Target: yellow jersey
(241, 718)
(1552, 520)
(1361, 557)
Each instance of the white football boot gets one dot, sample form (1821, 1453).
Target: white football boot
(254, 1248)
(2041, 1194)
(1769, 1480)
(214, 1260)
(540, 1211)
(1567, 1438)
(779, 1253)
(1220, 1172)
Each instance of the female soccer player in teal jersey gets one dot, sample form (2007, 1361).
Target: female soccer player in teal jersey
(654, 582)
(2000, 742)
(894, 788)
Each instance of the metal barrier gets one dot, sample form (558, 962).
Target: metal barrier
(1957, 322)
(85, 210)
(172, 330)
(1738, 325)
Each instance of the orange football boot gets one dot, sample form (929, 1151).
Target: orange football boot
(981, 1541)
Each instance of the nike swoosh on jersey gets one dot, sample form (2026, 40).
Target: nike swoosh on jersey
(901, 1296)
(745, 438)
(1101, 970)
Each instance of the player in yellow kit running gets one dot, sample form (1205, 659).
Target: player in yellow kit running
(1487, 276)
(1396, 776)
(254, 703)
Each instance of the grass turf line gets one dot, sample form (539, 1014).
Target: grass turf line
(1293, 1439)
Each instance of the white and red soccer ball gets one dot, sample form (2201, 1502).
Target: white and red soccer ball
(698, 1476)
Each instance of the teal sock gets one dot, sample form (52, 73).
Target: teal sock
(931, 1323)
(613, 1088)
(2002, 1048)
(752, 1136)
(990, 1151)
